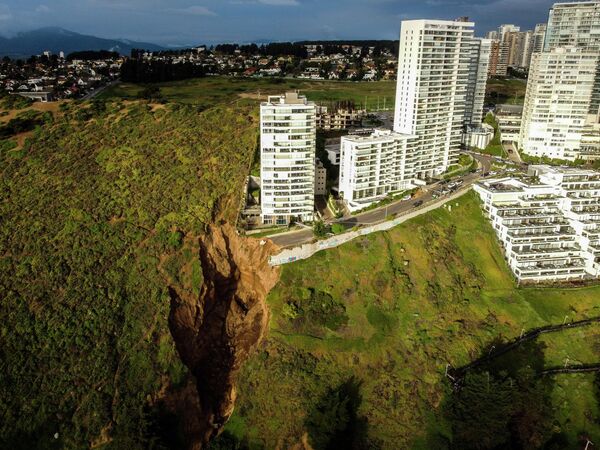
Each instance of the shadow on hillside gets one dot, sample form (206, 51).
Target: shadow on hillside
(334, 422)
(504, 403)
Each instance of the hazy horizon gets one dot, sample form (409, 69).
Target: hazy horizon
(193, 22)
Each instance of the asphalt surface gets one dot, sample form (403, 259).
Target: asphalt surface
(98, 91)
(295, 238)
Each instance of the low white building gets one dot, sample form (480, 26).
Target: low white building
(479, 137)
(371, 167)
(549, 224)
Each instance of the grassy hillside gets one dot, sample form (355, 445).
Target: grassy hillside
(91, 206)
(211, 90)
(372, 324)
(506, 90)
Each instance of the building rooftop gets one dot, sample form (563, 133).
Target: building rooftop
(377, 134)
(505, 108)
(289, 98)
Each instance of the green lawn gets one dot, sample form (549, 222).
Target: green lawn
(387, 312)
(506, 91)
(495, 147)
(211, 90)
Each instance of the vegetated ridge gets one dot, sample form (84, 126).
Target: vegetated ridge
(128, 303)
(56, 39)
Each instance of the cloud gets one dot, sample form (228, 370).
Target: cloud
(195, 10)
(5, 14)
(266, 2)
(42, 9)
(279, 2)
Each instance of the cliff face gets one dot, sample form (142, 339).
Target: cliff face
(216, 330)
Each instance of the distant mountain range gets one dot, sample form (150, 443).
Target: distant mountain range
(56, 39)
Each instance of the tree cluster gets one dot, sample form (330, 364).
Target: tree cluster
(139, 70)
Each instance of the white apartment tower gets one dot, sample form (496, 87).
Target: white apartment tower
(478, 72)
(432, 89)
(287, 155)
(573, 24)
(561, 117)
(440, 90)
(555, 113)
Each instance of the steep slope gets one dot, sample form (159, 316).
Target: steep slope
(218, 329)
(111, 260)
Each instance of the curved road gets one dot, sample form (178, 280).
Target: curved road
(299, 237)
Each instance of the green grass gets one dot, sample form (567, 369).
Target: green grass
(506, 91)
(495, 147)
(209, 91)
(98, 213)
(432, 291)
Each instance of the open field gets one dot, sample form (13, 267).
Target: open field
(506, 90)
(211, 90)
(385, 314)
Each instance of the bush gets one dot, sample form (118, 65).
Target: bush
(320, 230)
(337, 228)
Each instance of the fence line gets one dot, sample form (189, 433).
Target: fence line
(305, 251)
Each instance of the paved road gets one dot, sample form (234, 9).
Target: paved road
(295, 238)
(98, 91)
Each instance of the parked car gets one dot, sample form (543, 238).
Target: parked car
(418, 203)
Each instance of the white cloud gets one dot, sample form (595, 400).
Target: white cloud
(266, 2)
(195, 10)
(5, 14)
(42, 9)
(279, 2)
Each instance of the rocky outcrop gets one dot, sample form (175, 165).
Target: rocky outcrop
(218, 329)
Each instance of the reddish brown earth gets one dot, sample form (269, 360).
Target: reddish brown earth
(218, 329)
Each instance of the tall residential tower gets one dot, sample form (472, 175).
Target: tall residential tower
(287, 155)
(561, 116)
(432, 95)
(442, 73)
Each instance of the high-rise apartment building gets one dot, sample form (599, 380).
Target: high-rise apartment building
(574, 24)
(555, 112)
(478, 73)
(539, 34)
(493, 35)
(442, 72)
(434, 67)
(287, 155)
(507, 28)
(561, 117)
(513, 48)
(497, 64)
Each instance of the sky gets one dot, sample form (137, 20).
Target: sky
(192, 22)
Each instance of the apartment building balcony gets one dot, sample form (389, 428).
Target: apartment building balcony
(551, 274)
(518, 237)
(527, 213)
(535, 225)
(568, 246)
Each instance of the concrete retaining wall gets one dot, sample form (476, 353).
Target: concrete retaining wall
(307, 250)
